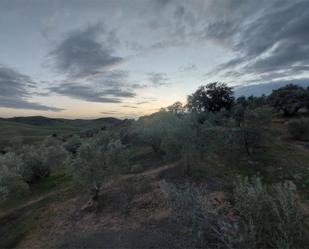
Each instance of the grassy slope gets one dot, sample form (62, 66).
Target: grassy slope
(284, 159)
(34, 129)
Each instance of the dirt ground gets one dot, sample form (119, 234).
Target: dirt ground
(132, 213)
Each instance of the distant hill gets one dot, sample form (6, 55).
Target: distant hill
(45, 121)
(266, 88)
(35, 128)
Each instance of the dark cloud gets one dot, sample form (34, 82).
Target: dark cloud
(86, 52)
(270, 39)
(15, 91)
(142, 102)
(158, 79)
(179, 12)
(111, 113)
(108, 87)
(266, 88)
(119, 93)
(129, 106)
(87, 93)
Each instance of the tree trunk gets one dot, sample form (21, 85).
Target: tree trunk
(188, 170)
(95, 193)
(92, 204)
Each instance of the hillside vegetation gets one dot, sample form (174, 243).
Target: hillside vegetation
(34, 129)
(217, 172)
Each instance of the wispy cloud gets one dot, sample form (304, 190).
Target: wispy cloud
(86, 52)
(15, 91)
(158, 79)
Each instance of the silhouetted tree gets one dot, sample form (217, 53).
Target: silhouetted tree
(177, 108)
(242, 101)
(212, 98)
(288, 99)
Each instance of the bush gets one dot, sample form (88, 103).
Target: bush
(39, 161)
(96, 160)
(299, 128)
(261, 216)
(72, 144)
(173, 135)
(191, 208)
(11, 181)
(249, 135)
(268, 217)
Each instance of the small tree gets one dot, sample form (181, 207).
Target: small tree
(72, 144)
(11, 182)
(151, 129)
(177, 108)
(40, 160)
(96, 161)
(212, 97)
(299, 128)
(288, 99)
(249, 133)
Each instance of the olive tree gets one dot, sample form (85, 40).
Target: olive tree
(40, 160)
(177, 108)
(96, 160)
(249, 133)
(289, 99)
(176, 137)
(11, 182)
(152, 129)
(72, 144)
(299, 128)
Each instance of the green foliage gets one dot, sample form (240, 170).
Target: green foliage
(153, 128)
(97, 159)
(11, 181)
(261, 216)
(177, 108)
(39, 161)
(268, 217)
(190, 206)
(299, 128)
(212, 98)
(72, 144)
(288, 99)
(175, 136)
(250, 131)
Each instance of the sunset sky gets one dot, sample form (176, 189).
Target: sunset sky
(126, 58)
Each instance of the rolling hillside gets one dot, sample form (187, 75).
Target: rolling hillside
(36, 128)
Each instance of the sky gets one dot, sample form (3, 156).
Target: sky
(127, 58)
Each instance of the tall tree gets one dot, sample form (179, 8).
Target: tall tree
(212, 98)
(288, 99)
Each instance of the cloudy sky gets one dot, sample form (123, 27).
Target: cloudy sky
(126, 58)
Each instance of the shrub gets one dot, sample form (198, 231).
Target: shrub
(268, 217)
(152, 129)
(96, 160)
(249, 135)
(289, 99)
(190, 208)
(11, 181)
(72, 144)
(299, 128)
(261, 216)
(39, 161)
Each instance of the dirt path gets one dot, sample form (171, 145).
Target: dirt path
(132, 214)
(150, 173)
(31, 203)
